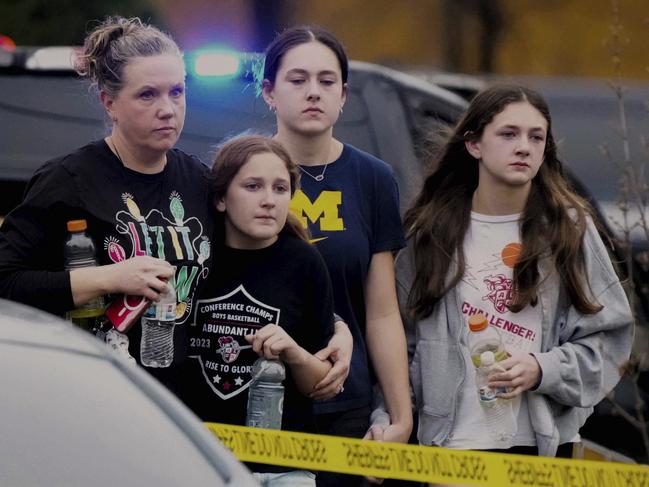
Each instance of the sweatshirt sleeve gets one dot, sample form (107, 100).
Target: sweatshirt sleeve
(31, 242)
(585, 364)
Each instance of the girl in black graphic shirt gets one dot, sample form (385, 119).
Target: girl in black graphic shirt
(268, 294)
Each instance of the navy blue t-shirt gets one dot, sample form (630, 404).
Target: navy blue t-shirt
(352, 214)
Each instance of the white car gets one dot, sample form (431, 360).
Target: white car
(75, 414)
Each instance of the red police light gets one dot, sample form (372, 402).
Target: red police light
(7, 43)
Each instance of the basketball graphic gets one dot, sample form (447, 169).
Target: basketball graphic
(510, 254)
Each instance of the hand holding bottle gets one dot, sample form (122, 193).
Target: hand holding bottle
(140, 276)
(521, 373)
(273, 343)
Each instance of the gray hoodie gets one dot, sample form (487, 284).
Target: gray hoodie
(580, 354)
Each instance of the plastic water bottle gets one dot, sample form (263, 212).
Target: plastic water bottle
(482, 338)
(78, 252)
(501, 422)
(266, 395)
(158, 322)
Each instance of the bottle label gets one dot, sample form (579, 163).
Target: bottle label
(487, 394)
(162, 311)
(265, 405)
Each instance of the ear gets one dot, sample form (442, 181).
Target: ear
(109, 105)
(267, 92)
(220, 204)
(344, 95)
(473, 148)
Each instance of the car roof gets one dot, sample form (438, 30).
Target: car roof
(75, 414)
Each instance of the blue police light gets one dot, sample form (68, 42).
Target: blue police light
(215, 63)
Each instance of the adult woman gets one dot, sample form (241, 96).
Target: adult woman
(349, 201)
(497, 230)
(146, 204)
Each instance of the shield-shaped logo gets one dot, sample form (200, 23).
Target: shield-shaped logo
(501, 292)
(229, 349)
(218, 339)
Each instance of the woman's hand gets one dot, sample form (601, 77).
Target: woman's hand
(273, 343)
(139, 276)
(522, 372)
(339, 352)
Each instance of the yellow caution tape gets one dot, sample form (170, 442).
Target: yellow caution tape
(421, 463)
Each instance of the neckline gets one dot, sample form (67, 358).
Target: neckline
(331, 164)
(268, 248)
(132, 172)
(114, 151)
(481, 217)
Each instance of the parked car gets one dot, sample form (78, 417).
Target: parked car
(76, 414)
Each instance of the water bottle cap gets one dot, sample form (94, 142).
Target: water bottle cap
(77, 225)
(266, 369)
(487, 358)
(478, 322)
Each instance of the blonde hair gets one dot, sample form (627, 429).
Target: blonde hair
(112, 45)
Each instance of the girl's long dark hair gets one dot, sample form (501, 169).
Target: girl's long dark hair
(232, 156)
(553, 220)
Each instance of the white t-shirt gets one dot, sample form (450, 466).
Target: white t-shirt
(491, 247)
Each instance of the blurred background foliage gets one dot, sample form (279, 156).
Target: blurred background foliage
(551, 37)
(64, 22)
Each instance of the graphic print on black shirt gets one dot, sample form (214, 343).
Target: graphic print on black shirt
(173, 238)
(218, 342)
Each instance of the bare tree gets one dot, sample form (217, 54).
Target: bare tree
(633, 199)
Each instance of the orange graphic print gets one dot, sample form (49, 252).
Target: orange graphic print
(511, 253)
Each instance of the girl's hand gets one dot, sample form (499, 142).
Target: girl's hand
(139, 276)
(339, 352)
(384, 432)
(522, 372)
(272, 342)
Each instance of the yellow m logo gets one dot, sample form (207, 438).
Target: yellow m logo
(323, 209)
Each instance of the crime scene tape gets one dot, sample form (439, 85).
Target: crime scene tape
(421, 463)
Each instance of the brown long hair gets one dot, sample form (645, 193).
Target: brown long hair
(553, 220)
(233, 155)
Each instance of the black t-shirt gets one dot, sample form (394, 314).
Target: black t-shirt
(165, 215)
(286, 284)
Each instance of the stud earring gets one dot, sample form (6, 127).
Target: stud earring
(341, 110)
